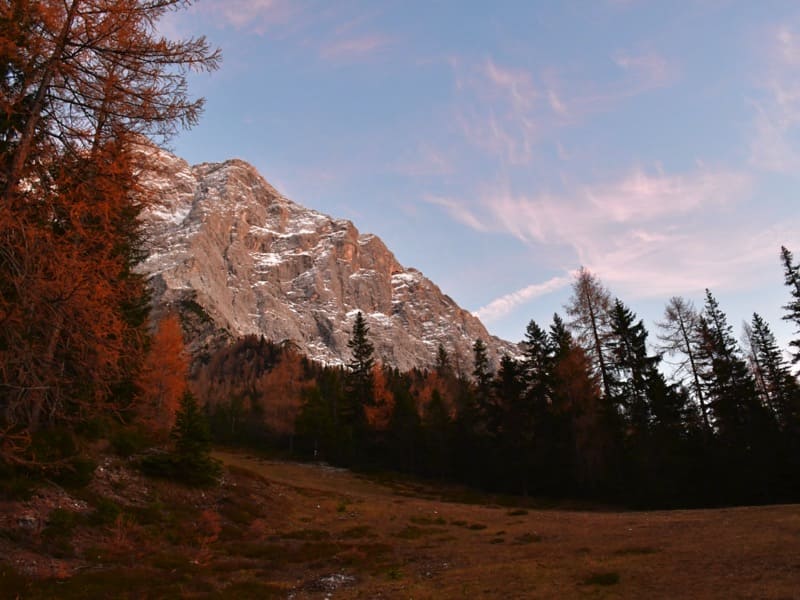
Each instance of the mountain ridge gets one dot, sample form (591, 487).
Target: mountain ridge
(238, 258)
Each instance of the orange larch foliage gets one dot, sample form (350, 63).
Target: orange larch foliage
(379, 415)
(432, 381)
(281, 393)
(83, 80)
(162, 380)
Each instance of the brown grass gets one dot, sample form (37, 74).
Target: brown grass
(277, 529)
(747, 552)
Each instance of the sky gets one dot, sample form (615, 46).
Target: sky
(499, 146)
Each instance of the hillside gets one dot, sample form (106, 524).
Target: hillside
(291, 530)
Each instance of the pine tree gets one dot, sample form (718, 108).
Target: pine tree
(792, 279)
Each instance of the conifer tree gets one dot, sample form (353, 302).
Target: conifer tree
(360, 377)
(777, 386)
(680, 336)
(83, 81)
(162, 379)
(729, 385)
(791, 273)
(589, 307)
(192, 438)
(443, 366)
(635, 371)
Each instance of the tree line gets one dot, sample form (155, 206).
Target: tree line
(586, 410)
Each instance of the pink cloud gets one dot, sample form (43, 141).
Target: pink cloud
(426, 162)
(354, 47)
(458, 211)
(776, 123)
(647, 71)
(253, 15)
(507, 111)
(645, 234)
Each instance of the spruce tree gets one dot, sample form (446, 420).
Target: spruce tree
(776, 384)
(791, 273)
(360, 378)
(635, 373)
(729, 385)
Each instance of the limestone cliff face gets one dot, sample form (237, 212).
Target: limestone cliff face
(237, 258)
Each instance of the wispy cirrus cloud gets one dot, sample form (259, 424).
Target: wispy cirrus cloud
(427, 161)
(335, 34)
(499, 109)
(638, 225)
(645, 234)
(458, 211)
(776, 124)
(258, 16)
(506, 111)
(502, 306)
(354, 48)
(646, 71)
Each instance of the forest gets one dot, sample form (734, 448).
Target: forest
(586, 410)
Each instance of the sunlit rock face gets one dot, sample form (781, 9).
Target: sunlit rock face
(236, 257)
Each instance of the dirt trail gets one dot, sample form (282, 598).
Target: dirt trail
(417, 547)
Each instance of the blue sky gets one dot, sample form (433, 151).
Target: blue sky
(498, 146)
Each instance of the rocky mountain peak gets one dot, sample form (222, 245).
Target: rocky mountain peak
(227, 249)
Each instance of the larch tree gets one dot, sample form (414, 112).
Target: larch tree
(679, 337)
(162, 379)
(589, 308)
(83, 82)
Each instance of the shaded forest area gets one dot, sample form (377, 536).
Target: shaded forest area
(585, 411)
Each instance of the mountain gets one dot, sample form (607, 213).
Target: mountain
(236, 257)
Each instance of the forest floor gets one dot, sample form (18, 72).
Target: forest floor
(291, 530)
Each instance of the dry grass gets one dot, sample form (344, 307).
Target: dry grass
(446, 549)
(276, 530)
